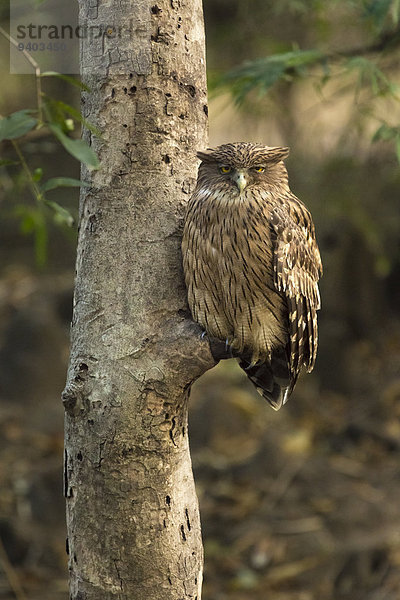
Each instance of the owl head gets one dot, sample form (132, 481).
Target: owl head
(236, 167)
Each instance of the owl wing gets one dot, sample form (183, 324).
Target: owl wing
(297, 268)
(202, 276)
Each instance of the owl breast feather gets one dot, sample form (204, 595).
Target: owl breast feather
(228, 266)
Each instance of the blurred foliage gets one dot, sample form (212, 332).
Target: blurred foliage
(346, 53)
(49, 116)
(260, 53)
(365, 65)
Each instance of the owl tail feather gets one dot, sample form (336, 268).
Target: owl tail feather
(272, 379)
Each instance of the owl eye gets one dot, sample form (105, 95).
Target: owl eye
(225, 169)
(259, 169)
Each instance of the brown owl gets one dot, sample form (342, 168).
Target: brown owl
(252, 265)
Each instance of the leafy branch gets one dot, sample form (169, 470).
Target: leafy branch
(263, 73)
(34, 64)
(59, 119)
(363, 63)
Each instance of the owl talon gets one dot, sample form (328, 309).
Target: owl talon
(251, 365)
(203, 335)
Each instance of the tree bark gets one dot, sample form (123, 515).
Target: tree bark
(132, 512)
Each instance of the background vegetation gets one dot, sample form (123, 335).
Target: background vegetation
(301, 504)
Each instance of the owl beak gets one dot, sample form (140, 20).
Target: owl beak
(240, 181)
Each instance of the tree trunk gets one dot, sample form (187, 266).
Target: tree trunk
(132, 512)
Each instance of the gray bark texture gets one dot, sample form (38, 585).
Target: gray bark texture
(132, 512)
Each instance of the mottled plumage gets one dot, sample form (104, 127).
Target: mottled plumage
(252, 265)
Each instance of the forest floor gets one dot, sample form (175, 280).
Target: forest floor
(302, 504)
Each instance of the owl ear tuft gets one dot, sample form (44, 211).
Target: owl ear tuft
(278, 153)
(206, 156)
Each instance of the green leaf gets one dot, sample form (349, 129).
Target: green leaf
(27, 224)
(69, 124)
(398, 148)
(395, 12)
(41, 238)
(377, 11)
(16, 125)
(37, 174)
(61, 215)
(265, 72)
(33, 221)
(57, 182)
(385, 133)
(70, 80)
(370, 74)
(78, 148)
(4, 162)
(76, 115)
